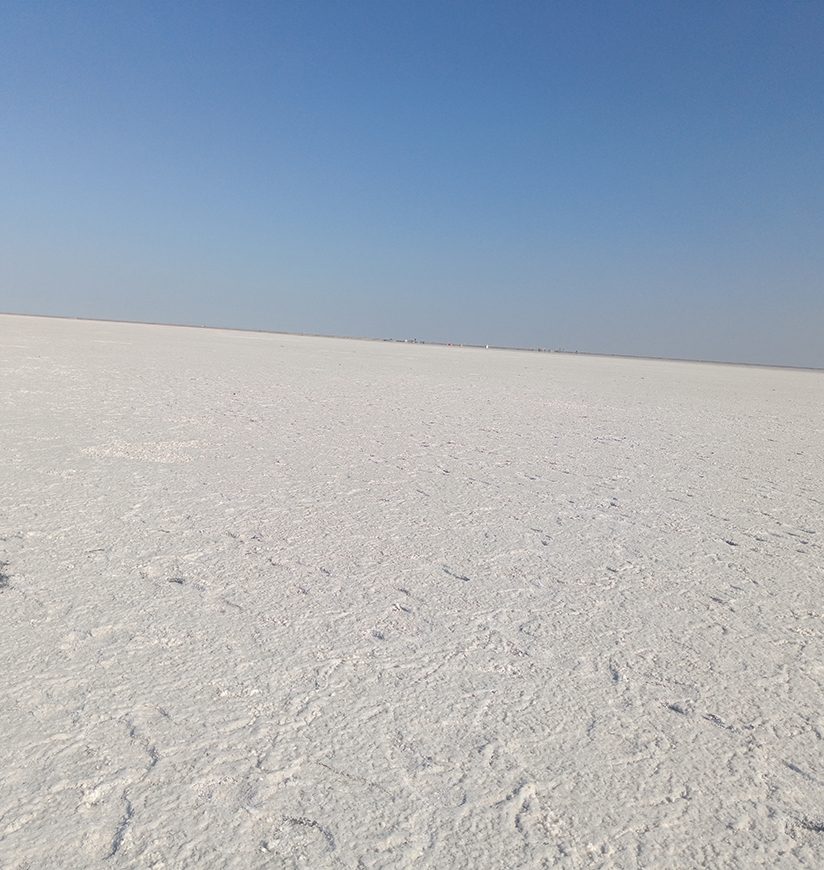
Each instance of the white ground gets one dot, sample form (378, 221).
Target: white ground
(275, 601)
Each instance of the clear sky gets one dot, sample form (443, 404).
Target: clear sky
(642, 178)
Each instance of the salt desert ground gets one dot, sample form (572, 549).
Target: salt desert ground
(280, 601)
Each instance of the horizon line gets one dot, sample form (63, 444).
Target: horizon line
(630, 356)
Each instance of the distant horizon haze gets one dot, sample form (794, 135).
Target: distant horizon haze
(630, 179)
(414, 340)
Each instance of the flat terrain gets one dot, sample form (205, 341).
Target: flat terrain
(273, 601)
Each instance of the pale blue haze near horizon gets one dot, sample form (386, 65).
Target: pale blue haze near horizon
(638, 178)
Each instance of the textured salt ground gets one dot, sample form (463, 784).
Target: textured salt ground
(270, 601)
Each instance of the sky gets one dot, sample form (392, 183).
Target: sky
(616, 177)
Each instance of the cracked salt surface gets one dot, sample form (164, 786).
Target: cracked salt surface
(281, 601)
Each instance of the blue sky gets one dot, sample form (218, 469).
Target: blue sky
(641, 178)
